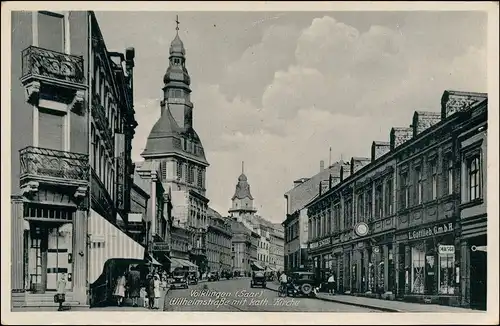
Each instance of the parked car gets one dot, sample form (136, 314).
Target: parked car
(193, 278)
(180, 280)
(258, 279)
(304, 283)
(213, 276)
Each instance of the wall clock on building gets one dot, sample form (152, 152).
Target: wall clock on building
(361, 229)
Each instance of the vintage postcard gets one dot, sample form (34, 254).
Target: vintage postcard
(236, 163)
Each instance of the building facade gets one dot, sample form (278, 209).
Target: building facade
(394, 226)
(175, 145)
(241, 248)
(296, 227)
(277, 247)
(72, 99)
(219, 237)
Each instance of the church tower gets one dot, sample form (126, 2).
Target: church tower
(175, 145)
(242, 200)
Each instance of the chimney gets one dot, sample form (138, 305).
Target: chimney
(454, 101)
(379, 148)
(321, 165)
(423, 120)
(399, 135)
(357, 163)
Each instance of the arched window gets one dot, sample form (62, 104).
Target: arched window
(474, 181)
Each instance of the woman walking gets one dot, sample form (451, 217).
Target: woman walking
(134, 285)
(120, 289)
(61, 291)
(156, 284)
(150, 289)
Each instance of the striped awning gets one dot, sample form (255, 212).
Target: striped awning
(257, 265)
(107, 242)
(180, 263)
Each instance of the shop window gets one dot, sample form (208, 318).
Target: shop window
(446, 272)
(417, 269)
(474, 181)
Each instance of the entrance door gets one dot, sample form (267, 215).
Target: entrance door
(478, 280)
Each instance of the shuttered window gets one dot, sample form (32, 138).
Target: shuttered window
(50, 130)
(51, 31)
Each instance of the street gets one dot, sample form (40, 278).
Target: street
(236, 295)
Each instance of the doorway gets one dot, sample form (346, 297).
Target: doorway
(478, 275)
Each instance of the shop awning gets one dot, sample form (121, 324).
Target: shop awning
(180, 263)
(272, 269)
(153, 261)
(108, 242)
(257, 266)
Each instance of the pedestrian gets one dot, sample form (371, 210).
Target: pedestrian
(134, 285)
(157, 292)
(120, 289)
(150, 291)
(143, 296)
(60, 297)
(331, 284)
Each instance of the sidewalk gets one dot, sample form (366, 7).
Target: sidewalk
(383, 305)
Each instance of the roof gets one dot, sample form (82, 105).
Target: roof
(302, 194)
(242, 188)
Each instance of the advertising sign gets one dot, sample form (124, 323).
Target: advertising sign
(446, 250)
(120, 169)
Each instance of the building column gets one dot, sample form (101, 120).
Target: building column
(397, 261)
(407, 269)
(80, 258)
(17, 244)
(366, 264)
(386, 268)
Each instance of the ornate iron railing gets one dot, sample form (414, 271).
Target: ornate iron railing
(51, 64)
(43, 162)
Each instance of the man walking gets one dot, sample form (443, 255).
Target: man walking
(331, 284)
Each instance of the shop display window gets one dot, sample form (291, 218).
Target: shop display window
(446, 273)
(417, 269)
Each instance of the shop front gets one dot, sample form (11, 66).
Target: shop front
(321, 256)
(429, 264)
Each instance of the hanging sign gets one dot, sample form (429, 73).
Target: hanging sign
(446, 250)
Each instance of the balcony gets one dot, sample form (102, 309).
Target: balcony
(61, 75)
(101, 199)
(53, 167)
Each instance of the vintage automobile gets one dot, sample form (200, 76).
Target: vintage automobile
(303, 283)
(180, 280)
(193, 278)
(258, 279)
(213, 276)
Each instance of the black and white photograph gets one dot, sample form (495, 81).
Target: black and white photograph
(290, 157)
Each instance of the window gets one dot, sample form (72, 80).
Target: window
(418, 173)
(404, 190)
(348, 214)
(163, 166)
(446, 273)
(179, 170)
(474, 181)
(361, 205)
(433, 179)
(450, 176)
(369, 203)
(50, 129)
(51, 31)
(417, 269)
(388, 197)
(378, 201)
(200, 178)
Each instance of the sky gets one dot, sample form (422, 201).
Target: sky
(278, 89)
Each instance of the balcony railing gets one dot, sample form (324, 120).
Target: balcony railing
(101, 121)
(53, 165)
(48, 64)
(101, 199)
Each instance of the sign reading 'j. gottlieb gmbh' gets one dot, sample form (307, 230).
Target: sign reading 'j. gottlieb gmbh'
(430, 231)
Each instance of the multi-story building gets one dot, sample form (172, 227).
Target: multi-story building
(296, 228)
(276, 247)
(263, 245)
(175, 145)
(70, 98)
(157, 218)
(241, 248)
(219, 237)
(139, 197)
(399, 224)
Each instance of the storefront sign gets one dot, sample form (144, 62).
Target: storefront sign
(361, 229)
(426, 232)
(321, 243)
(120, 167)
(446, 249)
